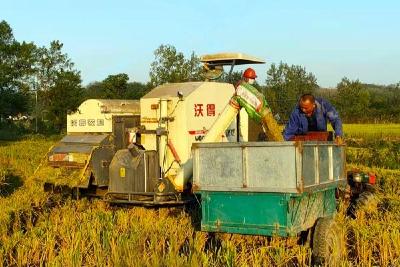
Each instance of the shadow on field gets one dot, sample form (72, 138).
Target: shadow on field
(12, 182)
(4, 143)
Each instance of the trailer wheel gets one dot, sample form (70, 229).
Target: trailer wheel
(326, 243)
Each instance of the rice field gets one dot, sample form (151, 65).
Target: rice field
(372, 131)
(39, 229)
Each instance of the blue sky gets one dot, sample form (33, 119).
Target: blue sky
(332, 39)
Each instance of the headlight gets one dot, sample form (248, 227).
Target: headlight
(357, 178)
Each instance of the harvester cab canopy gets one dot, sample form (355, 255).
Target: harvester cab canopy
(213, 63)
(112, 106)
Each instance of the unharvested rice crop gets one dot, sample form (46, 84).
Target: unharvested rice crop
(39, 228)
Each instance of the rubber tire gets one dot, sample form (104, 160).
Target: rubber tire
(326, 243)
(361, 201)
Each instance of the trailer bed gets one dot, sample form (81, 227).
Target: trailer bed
(267, 188)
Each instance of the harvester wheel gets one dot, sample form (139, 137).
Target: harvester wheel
(326, 243)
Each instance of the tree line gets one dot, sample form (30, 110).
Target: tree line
(43, 83)
(356, 102)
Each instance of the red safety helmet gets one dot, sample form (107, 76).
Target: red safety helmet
(249, 73)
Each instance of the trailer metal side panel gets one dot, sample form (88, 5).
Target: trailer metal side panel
(274, 167)
(218, 167)
(287, 167)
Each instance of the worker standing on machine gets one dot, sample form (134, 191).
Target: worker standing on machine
(312, 114)
(256, 106)
(249, 76)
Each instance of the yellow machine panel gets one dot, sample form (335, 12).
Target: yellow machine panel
(187, 111)
(95, 115)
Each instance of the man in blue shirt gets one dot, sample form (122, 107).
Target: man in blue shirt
(312, 114)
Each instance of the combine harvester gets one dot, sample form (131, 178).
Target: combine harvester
(183, 140)
(139, 152)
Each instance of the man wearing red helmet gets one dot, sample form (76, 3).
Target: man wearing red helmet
(249, 76)
(254, 102)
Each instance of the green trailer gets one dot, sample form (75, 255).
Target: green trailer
(271, 189)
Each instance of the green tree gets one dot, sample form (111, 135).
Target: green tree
(94, 90)
(285, 84)
(136, 90)
(115, 86)
(193, 68)
(382, 106)
(384, 103)
(50, 63)
(25, 67)
(352, 100)
(16, 60)
(171, 66)
(233, 78)
(67, 88)
(58, 83)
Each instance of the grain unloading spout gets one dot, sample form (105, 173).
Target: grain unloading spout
(256, 106)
